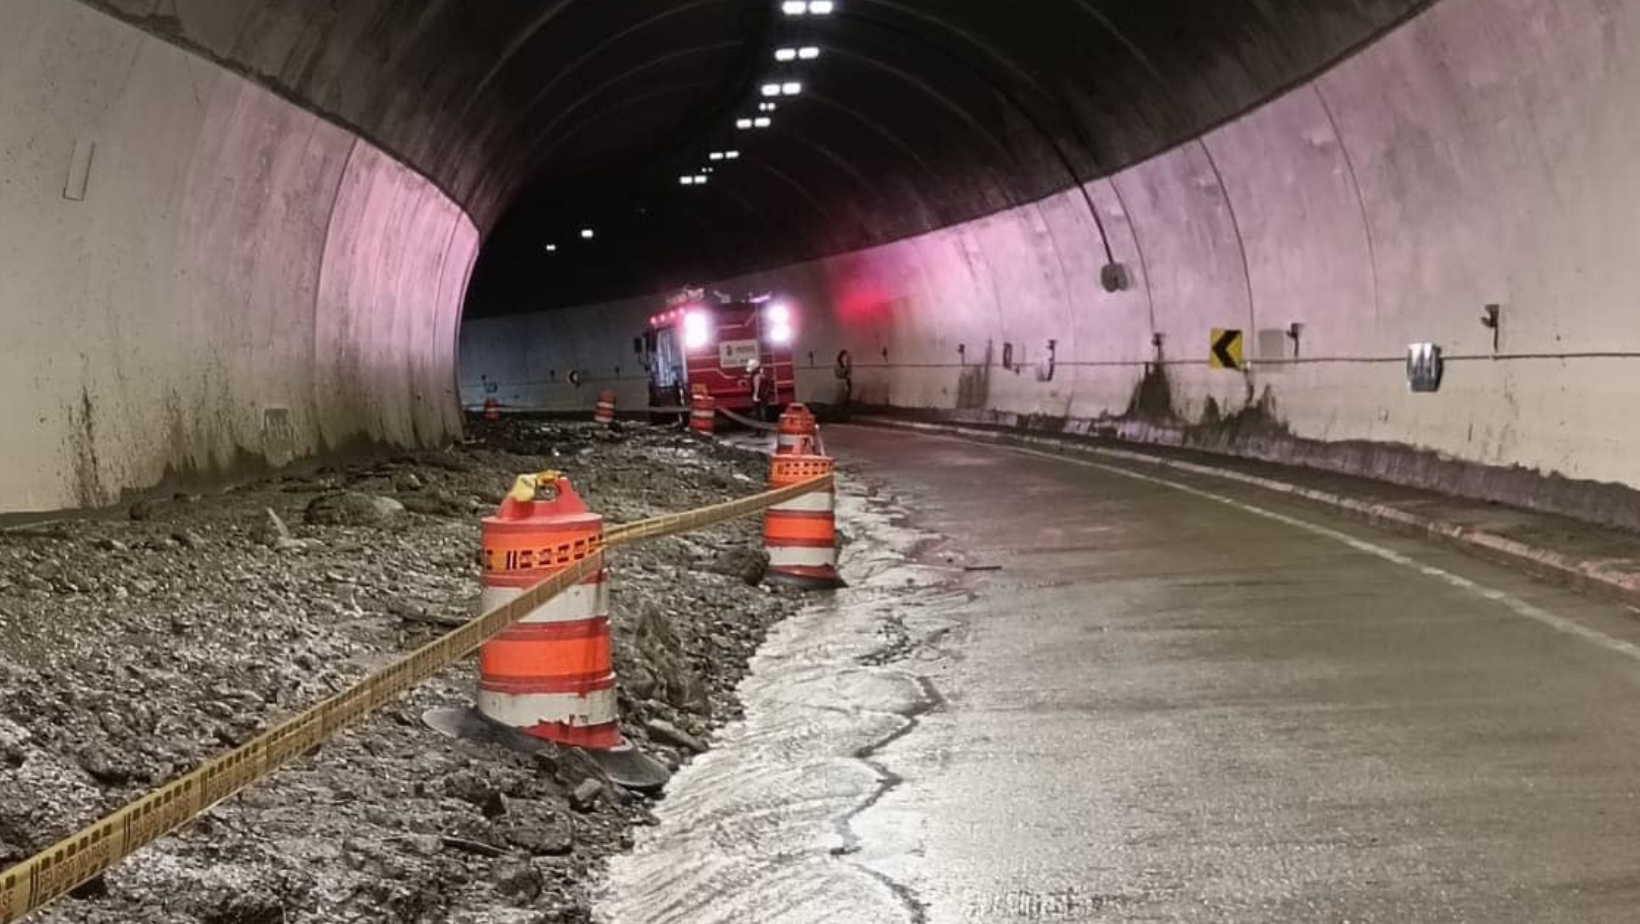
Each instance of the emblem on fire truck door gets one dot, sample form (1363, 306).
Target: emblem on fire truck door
(733, 354)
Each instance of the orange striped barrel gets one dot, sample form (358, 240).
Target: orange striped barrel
(801, 535)
(703, 415)
(552, 674)
(606, 409)
(798, 432)
(492, 409)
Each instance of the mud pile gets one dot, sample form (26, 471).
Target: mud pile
(132, 648)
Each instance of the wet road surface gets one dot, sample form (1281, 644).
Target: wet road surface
(1176, 700)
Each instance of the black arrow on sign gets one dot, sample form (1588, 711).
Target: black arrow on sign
(1221, 349)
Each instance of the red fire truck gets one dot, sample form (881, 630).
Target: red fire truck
(703, 342)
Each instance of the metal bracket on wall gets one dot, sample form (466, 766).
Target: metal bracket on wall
(1493, 319)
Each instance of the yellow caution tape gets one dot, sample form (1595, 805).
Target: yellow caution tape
(81, 857)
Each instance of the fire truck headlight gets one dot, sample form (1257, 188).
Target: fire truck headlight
(780, 315)
(696, 331)
(781, 333)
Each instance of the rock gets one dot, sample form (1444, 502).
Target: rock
(640, 683)
(103, 766)
(143, 510)
(687, 691)
(518, 880)
(351, 508)
(437, 503)
(585, 796)
(189, 539)
(747, 564)
(472, 787)
(667, 733)
(112, 545)
(535, 828)
(270, 530)
(290, 545)
(408, 482)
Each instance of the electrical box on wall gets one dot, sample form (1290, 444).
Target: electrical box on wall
(1424, 368)
(1274, 345)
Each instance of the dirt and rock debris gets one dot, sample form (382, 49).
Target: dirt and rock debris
(131, 649)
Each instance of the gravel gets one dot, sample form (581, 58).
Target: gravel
(133, 648)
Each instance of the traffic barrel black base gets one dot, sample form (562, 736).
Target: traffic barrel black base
(625, 764)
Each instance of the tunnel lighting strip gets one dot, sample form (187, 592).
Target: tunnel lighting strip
(773, 89)
(808, 7)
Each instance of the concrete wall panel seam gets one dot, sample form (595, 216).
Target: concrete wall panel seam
(1360, 198)
(1241, 245)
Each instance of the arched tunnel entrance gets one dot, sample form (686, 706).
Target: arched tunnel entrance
(1216, 386)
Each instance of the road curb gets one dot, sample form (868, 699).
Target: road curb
(1594, 577)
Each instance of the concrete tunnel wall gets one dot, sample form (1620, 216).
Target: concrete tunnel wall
(198, 276)
(1482, 153)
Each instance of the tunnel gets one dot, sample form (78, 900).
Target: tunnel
(1367, 254)
(284, 267)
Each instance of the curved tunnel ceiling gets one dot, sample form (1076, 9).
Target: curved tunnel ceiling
(547, 116)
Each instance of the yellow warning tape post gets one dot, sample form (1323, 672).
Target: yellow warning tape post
(85, 855)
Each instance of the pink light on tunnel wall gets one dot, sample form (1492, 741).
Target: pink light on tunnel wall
(860, 294)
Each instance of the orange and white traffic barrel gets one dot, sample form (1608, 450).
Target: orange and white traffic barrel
(492, 409)
(801, 534)
(799, 432)
(606, 408)
(551, 675)
(703, 415)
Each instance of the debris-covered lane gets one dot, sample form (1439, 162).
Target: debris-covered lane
(132, 649)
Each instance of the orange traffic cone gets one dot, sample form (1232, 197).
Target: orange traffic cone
(606, 409)
(550, 676)
(799, 432)
(703, 416)
(801, 535)
(492, 409)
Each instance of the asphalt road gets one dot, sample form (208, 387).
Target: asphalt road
(1183, 700)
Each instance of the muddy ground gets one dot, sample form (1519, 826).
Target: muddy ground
(131, 648)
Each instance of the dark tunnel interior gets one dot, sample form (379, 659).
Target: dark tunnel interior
(547, 117)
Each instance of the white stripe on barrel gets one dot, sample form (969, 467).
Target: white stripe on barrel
(582, 601)
(526, 710)
(792, 556)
